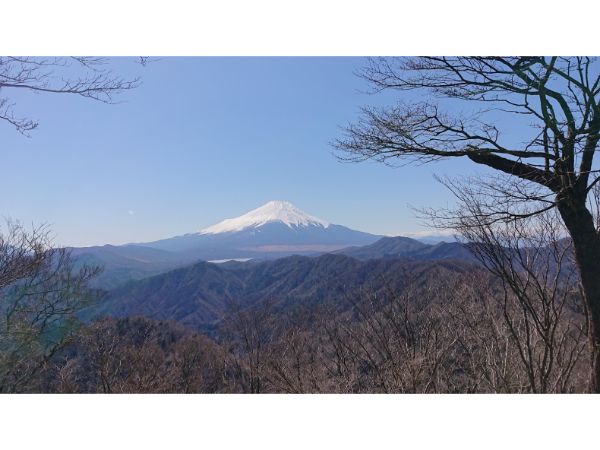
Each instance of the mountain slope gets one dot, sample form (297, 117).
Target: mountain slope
(190, 295)
(199, 295)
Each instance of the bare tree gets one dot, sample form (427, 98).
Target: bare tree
(552, 167)
(247, 332)
(41, 292)
(297, 363)
(89, 77)
(460, 333)
(404, 342)
(538, 308)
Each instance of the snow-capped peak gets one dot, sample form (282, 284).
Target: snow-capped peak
(273, 211)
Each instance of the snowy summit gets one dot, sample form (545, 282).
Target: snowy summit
(273, 211)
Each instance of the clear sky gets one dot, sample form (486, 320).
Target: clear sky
(201, 140)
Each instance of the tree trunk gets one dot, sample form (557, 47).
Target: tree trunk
(586, 241)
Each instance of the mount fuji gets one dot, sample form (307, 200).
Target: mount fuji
(277, 228)
(273, 211)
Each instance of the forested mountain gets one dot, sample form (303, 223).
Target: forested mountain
(199, 295)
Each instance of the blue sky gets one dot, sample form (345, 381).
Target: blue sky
(201, 140)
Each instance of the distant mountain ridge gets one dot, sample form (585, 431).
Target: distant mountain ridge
(404, 247)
